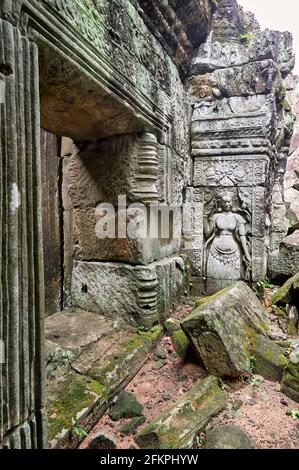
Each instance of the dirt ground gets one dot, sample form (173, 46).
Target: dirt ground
(260, 410)
(262, 415)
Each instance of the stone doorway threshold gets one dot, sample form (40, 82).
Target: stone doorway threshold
(89, 358)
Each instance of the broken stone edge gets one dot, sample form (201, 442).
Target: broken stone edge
(104, 383)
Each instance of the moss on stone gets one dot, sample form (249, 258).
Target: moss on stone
(70, 397)
(180, 343)
(172, 325)
(270, 360)
(176, 427)
(131, 426)
(290, 381)
(126, 406)
(284, 293)
(126, 360)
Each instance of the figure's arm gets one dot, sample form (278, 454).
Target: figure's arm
(242, 235)
(208, 226)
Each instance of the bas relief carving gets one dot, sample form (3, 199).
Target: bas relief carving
(227, 258)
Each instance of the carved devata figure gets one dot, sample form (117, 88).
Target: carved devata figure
(226, 253)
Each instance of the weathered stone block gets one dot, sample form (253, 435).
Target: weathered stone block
(270, 360)
(287, 293)
(290, 382)
(287, 259)
(177, 426)
(126, 406)
(181, 343)
(222, 328)
(139, 294)
(228, 437)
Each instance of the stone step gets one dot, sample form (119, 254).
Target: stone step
(93, 368)
(177, 426)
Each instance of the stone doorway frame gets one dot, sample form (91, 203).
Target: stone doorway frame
(29, 24)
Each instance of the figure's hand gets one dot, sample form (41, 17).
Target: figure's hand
(247, 258)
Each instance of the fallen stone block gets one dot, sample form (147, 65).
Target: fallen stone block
(123, 363)
(228, 437)
(80, 400)
(172, 325)
(177, 426)
(290, 378)
(287, 293)
(269, 358)
(286, 260)
(102, 440)
(126, 406)
(132, 426)
(181, 344)
(223, 328)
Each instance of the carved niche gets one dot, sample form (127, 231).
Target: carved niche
(232, 162)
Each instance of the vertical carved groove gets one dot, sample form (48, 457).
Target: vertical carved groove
(21, 295)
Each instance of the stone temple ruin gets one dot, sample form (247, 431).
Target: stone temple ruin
(178, 104)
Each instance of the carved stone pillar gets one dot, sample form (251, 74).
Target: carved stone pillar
(22, 419)
(231, 193)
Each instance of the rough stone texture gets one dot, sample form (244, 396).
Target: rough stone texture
(57, 359)
(291, 177)
(82, 384)
(177, 426)
(51, 217)
(290, 382)
(125, 165)
(126, 406)
(102, 440)
(171, 325)
(139, 294)
(288, 293)
(228, 437)
(241, 90)
(287, 260)
(132, 426)
(22, 416)
(74, 330)
(180, 343)
(269, 358)
(223, 328)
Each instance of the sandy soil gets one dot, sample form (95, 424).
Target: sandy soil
(262, 415)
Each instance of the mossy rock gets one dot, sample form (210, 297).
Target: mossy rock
(126, 361)
(181, 344)
(228, 436)
(160, 353)
(222, 328)
(133, 425)
(286, 293)
(176, 427)
(67, 400)
(270, 360)
(171, 325)
(126, 406)
(290, 382)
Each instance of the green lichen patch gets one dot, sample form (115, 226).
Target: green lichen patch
(68, 399)
(126, 406)
(181, 343)
(290, 382)
(123, 363)
(270, 360)
(133, 425)
(177, 426)
(285, 293)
